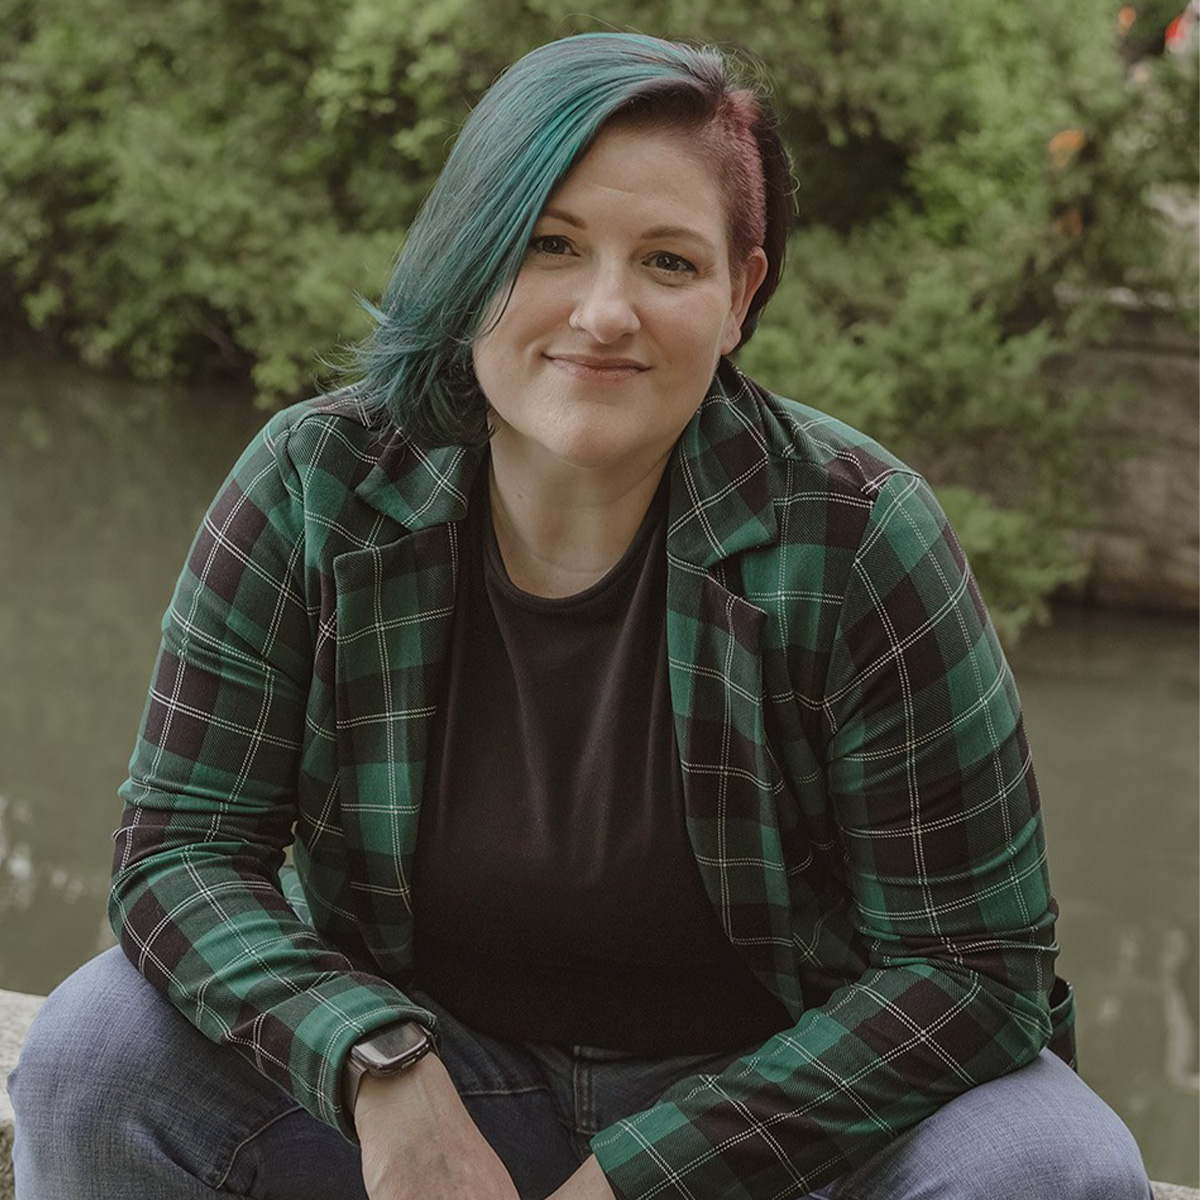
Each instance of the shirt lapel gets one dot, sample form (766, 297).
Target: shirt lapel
(721, 505)
(395, 608)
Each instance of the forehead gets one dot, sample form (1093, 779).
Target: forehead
(630, 171)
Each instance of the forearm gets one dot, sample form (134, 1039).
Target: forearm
(932, 903)
(215, 791)
(209, 926)
(418, 1140)
(588, 1183)
(818, 1099)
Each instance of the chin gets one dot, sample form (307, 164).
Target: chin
(589, 439)
(590, 453)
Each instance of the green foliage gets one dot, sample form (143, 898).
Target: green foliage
(205, 186)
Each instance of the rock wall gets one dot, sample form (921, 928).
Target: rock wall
(16, 1014)
(1145, 549)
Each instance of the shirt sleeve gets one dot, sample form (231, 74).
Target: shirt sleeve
(211, 801)
(929, 779)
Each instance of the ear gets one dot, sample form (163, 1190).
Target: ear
(745, 283)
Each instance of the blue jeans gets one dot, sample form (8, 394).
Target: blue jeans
(118, 1097)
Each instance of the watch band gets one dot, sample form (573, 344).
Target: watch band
(384, 1052)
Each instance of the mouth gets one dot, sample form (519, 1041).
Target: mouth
(597, 367)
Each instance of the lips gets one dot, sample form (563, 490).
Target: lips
(597, 367)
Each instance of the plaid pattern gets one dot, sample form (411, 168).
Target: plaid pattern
(858, 788)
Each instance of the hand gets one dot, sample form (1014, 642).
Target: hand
(588, 1183)
(418, 1140)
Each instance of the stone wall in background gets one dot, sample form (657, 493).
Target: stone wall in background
(1145, 549)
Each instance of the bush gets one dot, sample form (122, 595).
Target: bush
(205, 185)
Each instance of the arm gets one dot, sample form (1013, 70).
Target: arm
(928, 779)
(588, 1183)
(418, 1141)
(211, 800)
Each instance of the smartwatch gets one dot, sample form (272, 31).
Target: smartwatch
(387, 1051)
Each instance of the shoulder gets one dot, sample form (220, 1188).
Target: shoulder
(292, 493)
(335, 435)
(848, 513)
(756, 471)
(834, 480)
(819, 448)
(863, 556)
(345, 465)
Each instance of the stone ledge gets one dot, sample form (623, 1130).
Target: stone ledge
(16, 1015)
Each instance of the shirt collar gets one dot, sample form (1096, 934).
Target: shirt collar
(720, 485)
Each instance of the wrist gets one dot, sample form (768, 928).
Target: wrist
(423, 1101)
(384, 1053)
(420, 1085)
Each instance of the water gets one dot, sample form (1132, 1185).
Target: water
(103, 483)
(1111, 708)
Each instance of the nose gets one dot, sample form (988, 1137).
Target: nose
(605, 307)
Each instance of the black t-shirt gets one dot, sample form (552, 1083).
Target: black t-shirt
(556, 897)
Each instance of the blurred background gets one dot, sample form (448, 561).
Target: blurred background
(994, 272)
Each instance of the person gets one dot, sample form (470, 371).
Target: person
(662, 822)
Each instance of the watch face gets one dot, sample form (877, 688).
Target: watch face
(394, 1048)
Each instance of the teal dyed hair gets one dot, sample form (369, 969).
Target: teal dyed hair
(470, 238)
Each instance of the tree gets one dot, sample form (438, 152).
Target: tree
(205, 185)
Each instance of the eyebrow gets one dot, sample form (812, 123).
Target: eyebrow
(658, 231)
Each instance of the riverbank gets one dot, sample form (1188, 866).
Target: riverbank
(17, 1011)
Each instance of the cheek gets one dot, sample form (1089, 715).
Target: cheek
(495, 350)
(491, 370)
(731, 334)
(536, 302)
(505, 323)
(481, 360)
(696, 338)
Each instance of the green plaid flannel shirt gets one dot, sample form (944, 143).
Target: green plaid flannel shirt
(858, 787)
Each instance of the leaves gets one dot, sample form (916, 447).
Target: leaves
(206, 185)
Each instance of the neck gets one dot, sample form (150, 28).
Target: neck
(560, 532)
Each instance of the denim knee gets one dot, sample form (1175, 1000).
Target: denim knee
(1040, 1134)
(70, 1064)
(115, 1093)
(1068, 1144)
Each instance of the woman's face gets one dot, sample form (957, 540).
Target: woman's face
(623, 305)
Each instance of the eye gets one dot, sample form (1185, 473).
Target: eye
(673, 264)
(550, 244)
